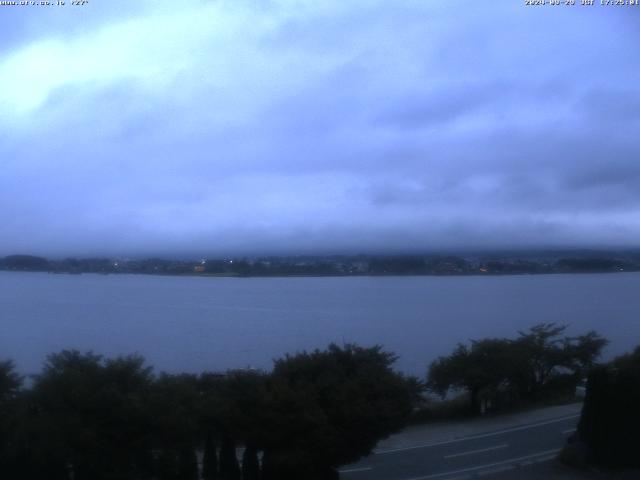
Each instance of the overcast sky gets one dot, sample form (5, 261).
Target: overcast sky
(268, 126)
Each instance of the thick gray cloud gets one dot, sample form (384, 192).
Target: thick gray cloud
(243, 126)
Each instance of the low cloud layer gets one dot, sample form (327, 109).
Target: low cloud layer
(243, 126)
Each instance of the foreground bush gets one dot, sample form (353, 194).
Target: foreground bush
(610, 419)
(335, 406)
(539, 364)
(90, 418)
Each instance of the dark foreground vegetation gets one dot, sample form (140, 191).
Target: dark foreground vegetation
(90, 418)
(341, 265)
(85, 417)
(543, 365)
(607, 434)
(500, 373)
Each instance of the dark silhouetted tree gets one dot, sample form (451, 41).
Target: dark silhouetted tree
(209, 458)
(92, 413)
(175, 404)
(533, 365)
(229, 467)
(482, 368)
(328, 408)
(250, 464)
(234, 407)
(10, 418)
(610, 419)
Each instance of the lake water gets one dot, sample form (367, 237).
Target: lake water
(194, 324)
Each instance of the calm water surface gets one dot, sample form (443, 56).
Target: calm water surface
(193, 324)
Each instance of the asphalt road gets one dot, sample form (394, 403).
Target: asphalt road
(475, 456)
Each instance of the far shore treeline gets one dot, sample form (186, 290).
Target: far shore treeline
(497, 263)
(86, 417)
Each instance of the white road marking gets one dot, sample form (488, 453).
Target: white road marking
(548, 455)
(353, 470)
(482, 435)
(569, 431)
(471, 452)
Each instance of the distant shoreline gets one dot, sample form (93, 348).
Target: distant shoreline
(341, 265)
(364, 275)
